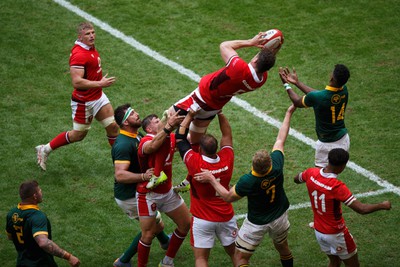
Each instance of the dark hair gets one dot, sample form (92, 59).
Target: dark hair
(338, 157)
(146, 121)
(119, 113)
(208, 144)
(341, 74)
(266, 60)
(28, 189)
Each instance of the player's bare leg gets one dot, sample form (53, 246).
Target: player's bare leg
(352, 262)
(285, 253)
(201, 256)
(230, 250)
(148, 226)
(106, 117)
(62, 139)
(76, 136)
(181, 218)
(334, 261)
(241, 258)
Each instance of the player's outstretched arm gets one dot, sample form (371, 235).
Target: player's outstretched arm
(208, 177)
(284, 130)
(297, 179)
(228, 48)
(181, 134)
(53, 249)
(152, 146)
(362, 208)
(292, 77)
(226, 130)
(294, 97)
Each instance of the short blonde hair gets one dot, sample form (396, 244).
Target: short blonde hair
(261, 161)
(84, 26)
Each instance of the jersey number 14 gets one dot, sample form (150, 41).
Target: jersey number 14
(339, 116)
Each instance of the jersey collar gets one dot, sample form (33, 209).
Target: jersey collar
(210, 160)
(27, 206)
(254, 74)
(333, 89)
(133, 135)
(327, 175)
(84, 46)
(256, 174)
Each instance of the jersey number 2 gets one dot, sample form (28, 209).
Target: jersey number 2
(19, 233)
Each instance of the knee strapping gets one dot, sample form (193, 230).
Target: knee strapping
(244, 247)
(107, 121)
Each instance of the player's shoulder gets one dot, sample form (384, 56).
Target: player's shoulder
(234, 60)
(146, 138)
(314, 171)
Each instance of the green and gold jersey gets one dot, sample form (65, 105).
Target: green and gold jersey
(23, 224)
(329, 109)
(124, 150)
(266, 197)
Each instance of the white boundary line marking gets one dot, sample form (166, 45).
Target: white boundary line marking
(241, 103)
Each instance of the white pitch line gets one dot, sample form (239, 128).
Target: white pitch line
(243, 104)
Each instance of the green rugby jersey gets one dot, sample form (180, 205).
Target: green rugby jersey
(329, 109)
(125, 150)
(23, 224)
(266, 197)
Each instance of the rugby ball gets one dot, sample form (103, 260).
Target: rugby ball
(273, 38)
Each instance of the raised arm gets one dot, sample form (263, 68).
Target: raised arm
(288, 77)
(181, 134)
(284, 130)
(152, 146)
(226, 130)
(228, 48)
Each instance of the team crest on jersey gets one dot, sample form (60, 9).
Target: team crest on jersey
(153, 207)
(335, 99)
(267, 182)
(15, 218)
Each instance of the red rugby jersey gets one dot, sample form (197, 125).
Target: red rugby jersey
(204, 200)
(326, 193)
(237, 77)
(86, 58)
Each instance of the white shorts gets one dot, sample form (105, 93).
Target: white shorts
(341, 244)
(84, 112)
(322, 149)
(203, 232)
(253, 234)
(129, 206)
(149, 203)
(195, 102)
